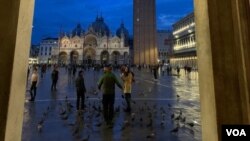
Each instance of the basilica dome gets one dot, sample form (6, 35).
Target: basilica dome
(100, 27)
(122, 31)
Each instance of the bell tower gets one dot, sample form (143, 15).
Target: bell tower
(145, 50)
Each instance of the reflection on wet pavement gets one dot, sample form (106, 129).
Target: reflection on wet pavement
(167, 109)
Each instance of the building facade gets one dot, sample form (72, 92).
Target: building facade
(144, 22)
(45, 51)
(164, 45)
(94, 46)
(184, 45)
(33, 56)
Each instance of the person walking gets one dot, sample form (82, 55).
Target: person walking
(155, 72)
(178, 70)
(128, 79)
(34, 83)
(107, 85)
(80, 91)
(54, 77)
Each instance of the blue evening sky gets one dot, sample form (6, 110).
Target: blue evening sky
(51, 16)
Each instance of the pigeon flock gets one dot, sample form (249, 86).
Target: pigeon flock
(145, 115)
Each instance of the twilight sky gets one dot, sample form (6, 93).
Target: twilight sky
(51, 16)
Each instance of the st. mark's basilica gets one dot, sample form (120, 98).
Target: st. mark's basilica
(95, 46)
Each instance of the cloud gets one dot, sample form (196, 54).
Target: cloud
(165, 21)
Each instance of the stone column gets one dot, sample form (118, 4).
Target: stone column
(222, 32)
(16, 24)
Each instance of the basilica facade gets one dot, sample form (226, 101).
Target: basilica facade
(94, 46)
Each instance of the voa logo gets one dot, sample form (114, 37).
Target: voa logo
(236, 132)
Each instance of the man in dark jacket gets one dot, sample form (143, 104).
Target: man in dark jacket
(80, 91)
(107, 83)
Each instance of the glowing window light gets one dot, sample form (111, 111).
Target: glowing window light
(183, 28)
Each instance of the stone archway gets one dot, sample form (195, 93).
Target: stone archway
(126, 58)
(62, 58)
(115, 57)
(74, 57)
(89, 55)
(104, 57)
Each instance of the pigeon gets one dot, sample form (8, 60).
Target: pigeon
(162, 123)
(133, 119)
(63, 112)
(71, 124)
(140, 93)
(141, 119)
(70, 105)
(94, 107)
(86, 139)
(45, 114)
(169, 105)
(99, 108)
(48, 108)
(152, 135)
(76, 131)
(95, 92)
(133, 102)
(172, 116)
(123, 127)
(178, 118)
(191, 124)
(98, 124)
(98, 115)
(117, 109)
(180, 113)
(150, 123)
(183, 120)
(163, 116)
(175, 130)
(65, 117)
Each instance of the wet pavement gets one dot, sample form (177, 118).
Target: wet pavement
(158, 107)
